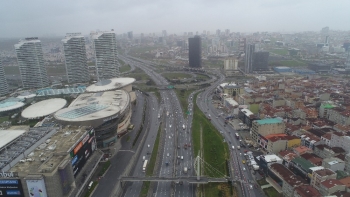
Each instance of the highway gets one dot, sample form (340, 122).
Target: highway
(240, 171)
(175, 135)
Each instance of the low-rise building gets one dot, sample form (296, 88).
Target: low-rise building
(321, 175)
(325, 151)
(331, 186)
(306, 191)
(333, 163)
(310, 140)
(301, 150)
(301, 166)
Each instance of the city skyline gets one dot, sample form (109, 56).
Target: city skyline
(153, 17)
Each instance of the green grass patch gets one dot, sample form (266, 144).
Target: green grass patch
(172, 76)
(202, 77)
(145, 188)
(91, 189)
(152, 161)
(218, 189)
(280, 51)
(262, 182)
(124, 68)
(105, 166)
(215, 150)
(182, 95)
(139, 76)
(3, 119)
(272, 192)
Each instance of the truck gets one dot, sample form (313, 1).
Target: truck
(185, 170)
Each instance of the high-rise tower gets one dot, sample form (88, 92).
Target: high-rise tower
(75, 55)
(195, 52)
(31, 63)
(106, 55)
(4, 89)
(249, 53)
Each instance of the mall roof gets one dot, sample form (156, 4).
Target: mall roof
(269, 121)
(8, 105)
(92, 106)
(7, 136)
(110, 84)
(26, 95)
(43, 108)
(52, 92)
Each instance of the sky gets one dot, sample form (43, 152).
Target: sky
(35, 18)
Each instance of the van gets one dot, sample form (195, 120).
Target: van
(90, 184)
(233, 147)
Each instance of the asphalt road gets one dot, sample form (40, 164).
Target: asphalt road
(241, 171)
(174, 157)
(121, 159)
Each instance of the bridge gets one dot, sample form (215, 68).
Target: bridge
(189, 179)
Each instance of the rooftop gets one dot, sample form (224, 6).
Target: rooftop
(331, 183)
(271, 158)
(7, 136)
(52, 92)
(110, 84)
(269, 121)
(324, 172)
(47, 156)
(8, 105)
(307, 191)
(43, 108)
(303, 163)
(92, 106)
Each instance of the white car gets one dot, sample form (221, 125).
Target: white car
(148, 145)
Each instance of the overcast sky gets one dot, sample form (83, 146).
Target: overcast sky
(28, 18)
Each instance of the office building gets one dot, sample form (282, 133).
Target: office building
(31, 63)
(195, 52)
(3, 83)
(106, 56)
(130, 35)
(75, 57)
(164, 33)
(260, 61)
(249, 54)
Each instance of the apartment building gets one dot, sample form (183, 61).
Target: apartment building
(75, 58)
(266, 127)
(333, 163)
(331, 186)
(106, 55)
(339, 116)
(31, 63)
(338, 139)
(4, 88)
(306, 191)
(321, 175)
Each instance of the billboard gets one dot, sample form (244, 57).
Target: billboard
(36, 188)
(82, 151)
(11, 187)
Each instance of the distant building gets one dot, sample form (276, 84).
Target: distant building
(130, 35)
(249, 54)
(195, 52)
(319, 67)
(164, 33)
(230, 64)
(106, 55)
(75, 57)
(260, 61)
(4, 88)
(31, 63)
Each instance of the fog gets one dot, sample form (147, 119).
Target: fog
(42, 17)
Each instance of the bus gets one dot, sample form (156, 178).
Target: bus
(144, 166)
(236, 135)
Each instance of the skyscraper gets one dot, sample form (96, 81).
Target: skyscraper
(195, 52)
(249, 53)
(261, 61)
(130, 35)
(75, 55)
(106, 55)
(31, 63)
(4, 88)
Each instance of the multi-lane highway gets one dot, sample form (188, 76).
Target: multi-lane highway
(241, 172)
(175, 157)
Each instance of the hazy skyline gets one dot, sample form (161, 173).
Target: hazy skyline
(41, 17)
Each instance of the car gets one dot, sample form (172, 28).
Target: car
(243, 169)
(148, 146)
(250, 186)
